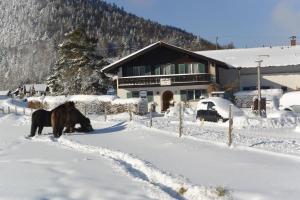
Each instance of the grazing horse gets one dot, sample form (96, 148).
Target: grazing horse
(66, 115)
(74, 117)
(40, 118)
(59, 117)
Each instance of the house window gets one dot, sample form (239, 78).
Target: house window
(168, 69)
(148, 70)
(129, 95)
(127, 71)
(157, 70)
(188, 95)
(142, 71)
(198, 94)
(183, 68)
(150, 96)
(135, 94)
(201, 68)
(135, 71)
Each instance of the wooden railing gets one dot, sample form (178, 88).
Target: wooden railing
(163, 80)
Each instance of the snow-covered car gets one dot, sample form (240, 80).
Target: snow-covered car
(215, 109)
(290, 101)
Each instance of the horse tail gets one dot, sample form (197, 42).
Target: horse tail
(33, 126)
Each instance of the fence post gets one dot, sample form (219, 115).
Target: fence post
(230, 126)
(130, 112)
(150, 118)
(24, 110)
(105, 114)
(180, 119)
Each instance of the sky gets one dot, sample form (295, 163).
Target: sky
(246, 23)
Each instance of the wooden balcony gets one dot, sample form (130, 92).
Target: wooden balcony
(165, 80)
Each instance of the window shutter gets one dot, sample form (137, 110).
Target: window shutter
(201, 68)
(150, 96)
(129, 94)
(183, 95)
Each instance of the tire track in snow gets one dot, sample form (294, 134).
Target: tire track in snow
(162, 185)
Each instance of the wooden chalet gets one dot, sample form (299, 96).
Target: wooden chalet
(164, 73)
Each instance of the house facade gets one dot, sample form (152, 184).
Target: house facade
(280, 67)
(165, 74)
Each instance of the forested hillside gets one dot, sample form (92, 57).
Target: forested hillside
(30, 31)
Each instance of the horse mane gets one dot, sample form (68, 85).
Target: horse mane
(68, 104)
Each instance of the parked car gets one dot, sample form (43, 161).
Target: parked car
(290, 101)
(223, 94)
(215, 109)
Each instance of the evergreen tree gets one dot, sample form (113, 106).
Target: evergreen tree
(78, 69)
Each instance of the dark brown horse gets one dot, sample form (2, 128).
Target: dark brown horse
(76, 117)
(40, 119)
(66, 115)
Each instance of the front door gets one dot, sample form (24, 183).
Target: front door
(166, 97)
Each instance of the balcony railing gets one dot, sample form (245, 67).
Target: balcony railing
(165, 80)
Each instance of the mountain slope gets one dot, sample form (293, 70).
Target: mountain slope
(30, 31)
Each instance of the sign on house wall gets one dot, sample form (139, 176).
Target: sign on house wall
(165, 81)
(143, 94)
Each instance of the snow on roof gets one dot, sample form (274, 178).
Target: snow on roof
(37, 87)
(277, 56)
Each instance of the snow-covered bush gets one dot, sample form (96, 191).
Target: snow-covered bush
(92, 104)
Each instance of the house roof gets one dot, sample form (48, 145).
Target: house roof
(153, 46)
(37, 87)
(246, 58)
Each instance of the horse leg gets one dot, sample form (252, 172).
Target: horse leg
(40, 130)
(33, 129)
(60, 131)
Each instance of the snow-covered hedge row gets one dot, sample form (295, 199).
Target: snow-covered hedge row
(92, 104)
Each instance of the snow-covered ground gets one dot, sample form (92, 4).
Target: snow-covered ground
(129, 160)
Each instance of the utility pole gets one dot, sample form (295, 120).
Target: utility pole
(217, 42)
(258, 87)
(259, 61)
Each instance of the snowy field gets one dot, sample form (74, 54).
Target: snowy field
(129, 160)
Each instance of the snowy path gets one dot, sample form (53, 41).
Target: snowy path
(31, 170)
(249, 174)
(71, 170)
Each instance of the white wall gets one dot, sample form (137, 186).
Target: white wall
(291, 81)
(158, 92)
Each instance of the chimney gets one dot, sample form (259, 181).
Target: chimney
(293, 41)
